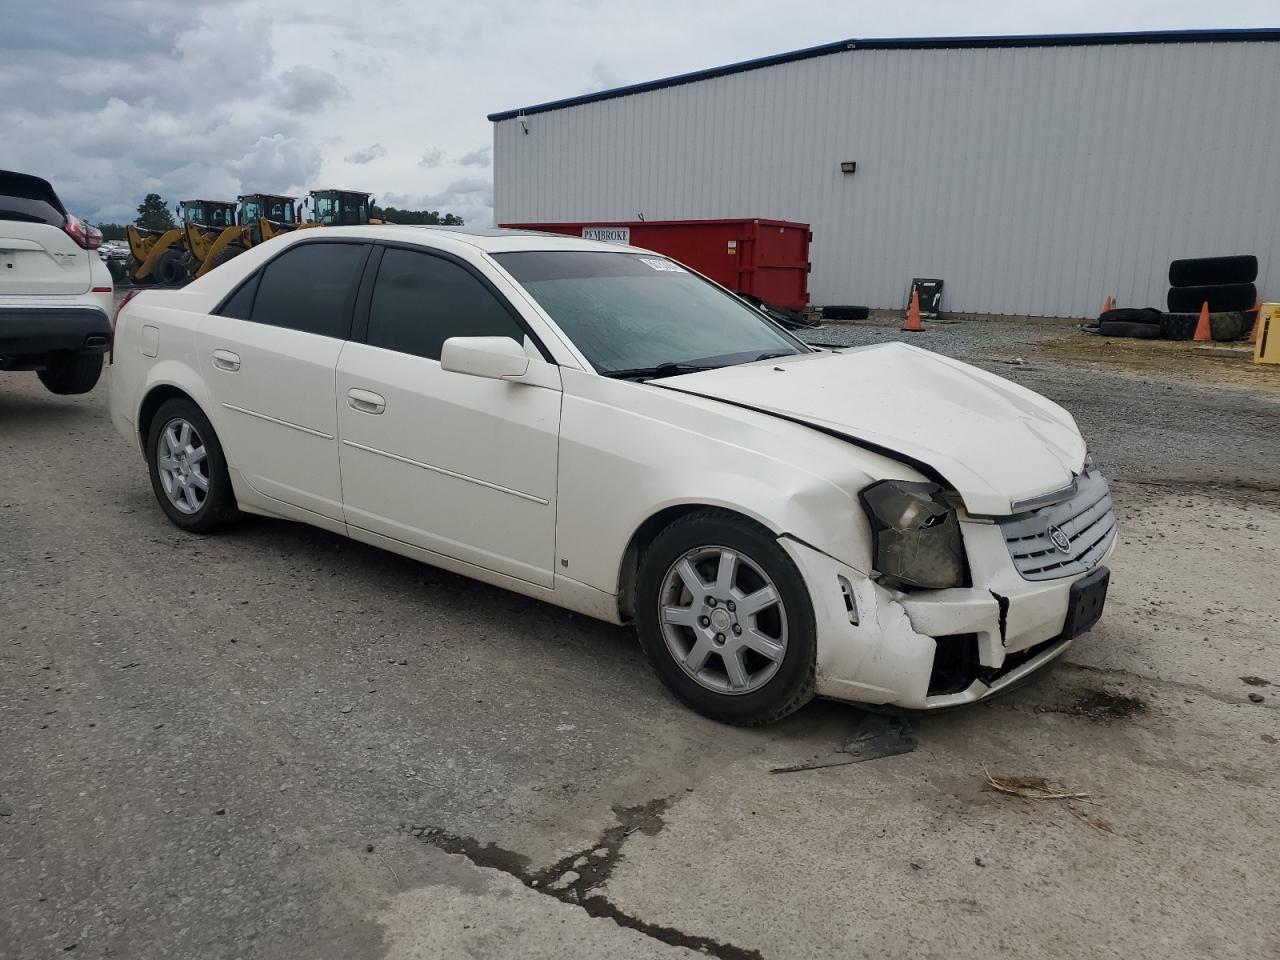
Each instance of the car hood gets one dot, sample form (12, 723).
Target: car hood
(995, 442)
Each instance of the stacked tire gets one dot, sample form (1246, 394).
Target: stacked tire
(1141, 323)
(1226, 284)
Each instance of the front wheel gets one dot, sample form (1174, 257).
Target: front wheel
(169, 268)
(726, 620)
(187, 468)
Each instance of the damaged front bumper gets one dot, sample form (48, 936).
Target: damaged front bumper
(937, 648)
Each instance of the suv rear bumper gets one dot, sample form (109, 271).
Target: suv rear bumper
(29, 333)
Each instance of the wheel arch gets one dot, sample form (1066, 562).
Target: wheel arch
(154, 398)
(648, 529)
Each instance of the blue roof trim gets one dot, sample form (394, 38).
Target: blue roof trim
(1261, 34)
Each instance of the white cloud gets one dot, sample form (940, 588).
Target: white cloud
(306, 89)
(111, 100)
(279, 164)
(470, 198)
(375, 151)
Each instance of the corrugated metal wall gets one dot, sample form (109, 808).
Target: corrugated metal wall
(1033, 181)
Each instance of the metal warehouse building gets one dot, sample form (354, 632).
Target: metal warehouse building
(1035, 175)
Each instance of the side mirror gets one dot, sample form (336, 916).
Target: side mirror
(498, 358)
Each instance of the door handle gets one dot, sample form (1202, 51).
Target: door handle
(365, 401)
(226, 360)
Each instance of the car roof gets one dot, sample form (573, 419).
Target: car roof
(488, 239)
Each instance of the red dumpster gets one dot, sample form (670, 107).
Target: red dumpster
(765, 259)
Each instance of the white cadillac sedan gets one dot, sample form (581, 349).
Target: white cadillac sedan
(599, 427)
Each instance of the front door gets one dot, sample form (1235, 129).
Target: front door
(270, 360)
(462, 466)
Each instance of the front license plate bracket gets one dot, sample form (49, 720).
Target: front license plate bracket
(1084, 605)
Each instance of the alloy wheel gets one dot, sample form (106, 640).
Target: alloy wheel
(183, 466)
(723, 620)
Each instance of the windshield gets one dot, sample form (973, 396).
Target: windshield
(250, 210)
(281, 211)
(631, 312)
(326, 210)
(340, 208)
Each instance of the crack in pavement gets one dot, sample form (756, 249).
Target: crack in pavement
(573, 879)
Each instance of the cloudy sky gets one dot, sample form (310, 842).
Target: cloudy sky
(111, 100)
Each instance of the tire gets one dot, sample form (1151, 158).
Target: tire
(1202, 271)
(227, 253)
(169, 268)
(1121, 328)
(1226, 327)
(845, 313)
(199, 514)
(1131, 315)
(1221, 297)
(1178, 326)
(118, 270)
(772, 686)
(71, 373)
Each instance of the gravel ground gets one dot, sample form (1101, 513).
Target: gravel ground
(276, 743)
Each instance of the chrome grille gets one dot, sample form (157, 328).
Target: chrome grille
(1088, 521)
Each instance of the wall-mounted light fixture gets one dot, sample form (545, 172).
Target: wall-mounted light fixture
(848, 166)
(524, 123)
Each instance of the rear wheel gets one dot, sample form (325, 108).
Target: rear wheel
(187, 468)
(726, 620)
(77, 373)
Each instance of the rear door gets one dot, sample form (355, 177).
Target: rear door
(270, 360)
(37, 255)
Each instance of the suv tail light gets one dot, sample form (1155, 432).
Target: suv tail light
(90, 238)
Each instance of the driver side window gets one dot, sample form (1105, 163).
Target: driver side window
(420, 301)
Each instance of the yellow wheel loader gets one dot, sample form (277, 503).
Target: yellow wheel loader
(269, 214)
(261, 216)
(334, 208)
(155, 256)
(166, 256)
(205, 224)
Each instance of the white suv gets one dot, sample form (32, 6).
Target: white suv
(601, 428)
(55, 290)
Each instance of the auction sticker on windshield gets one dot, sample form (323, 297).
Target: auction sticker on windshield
(665, 266)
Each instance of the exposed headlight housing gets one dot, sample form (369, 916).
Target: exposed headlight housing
(916, 534)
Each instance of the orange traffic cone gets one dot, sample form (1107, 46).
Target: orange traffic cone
(1202, 326)
(1257, 318)
(913, 314)
(1109, 304)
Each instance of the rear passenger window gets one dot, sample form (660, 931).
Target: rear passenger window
(420, 301)
(241, 303)
(310, 288)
